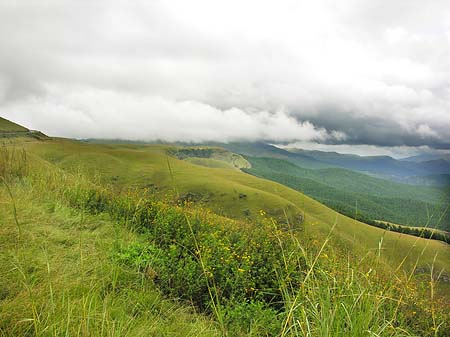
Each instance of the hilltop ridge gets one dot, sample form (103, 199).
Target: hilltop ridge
(8, 126)
(9, 129)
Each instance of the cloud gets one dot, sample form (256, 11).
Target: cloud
(367, 150)
(336, 72)
(107, 114)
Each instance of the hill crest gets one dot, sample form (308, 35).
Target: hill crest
(7, 126)
(9, 129)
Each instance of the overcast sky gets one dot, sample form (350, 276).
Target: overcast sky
(371, 73)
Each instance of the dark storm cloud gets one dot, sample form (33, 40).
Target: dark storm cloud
(380, 130)
(334, 72)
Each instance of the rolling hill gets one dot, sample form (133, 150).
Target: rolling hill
(226, 191)
(211, 157)
(350, 192)
(100, 226)
(379, 166)
(261, 149)
(8, 126)
(10, 129)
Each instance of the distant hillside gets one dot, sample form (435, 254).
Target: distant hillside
(211, 157)
(379, 166)
(350, 192)
(384, 166)
(427, 157)
(261, 149)
(429, 180)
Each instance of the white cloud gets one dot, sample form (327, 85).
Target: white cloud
(364, 150)
(353, 71)
(93, 113)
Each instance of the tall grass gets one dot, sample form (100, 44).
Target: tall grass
(62, 279)
(255, 279)
(13, 162)
(298, 288)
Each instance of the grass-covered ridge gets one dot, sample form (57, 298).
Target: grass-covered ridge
(210, 157)
(12, 130)
(258, 277)
(8, 126)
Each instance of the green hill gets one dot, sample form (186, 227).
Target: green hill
(211, 157)
(350, 192)
(10, 130)
(90, 230)
(8, 126)
(227, 192)
(260, 149)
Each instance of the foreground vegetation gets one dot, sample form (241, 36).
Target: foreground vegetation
(227, 192)
(60, 278)
(83, 258)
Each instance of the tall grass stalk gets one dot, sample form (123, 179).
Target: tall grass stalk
(294, 303)
(14, 209)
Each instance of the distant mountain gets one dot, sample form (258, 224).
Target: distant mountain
(261, 149)
(349, 192)
(383, 166)
(429, 180)
(427, 157)
(438, 166)
(379, 166)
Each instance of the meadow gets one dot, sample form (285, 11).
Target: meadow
(127, 240)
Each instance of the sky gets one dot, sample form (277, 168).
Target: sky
(364, 76)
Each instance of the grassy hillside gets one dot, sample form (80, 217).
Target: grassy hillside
(8, 126)
(210, 157)
(227, 192)
(59, 277)
(260, 149)
(82, 258)
(351, 192)
(13, 131)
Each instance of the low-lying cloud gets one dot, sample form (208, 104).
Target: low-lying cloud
(107, 114)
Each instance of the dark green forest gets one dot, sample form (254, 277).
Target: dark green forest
(361, 196)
